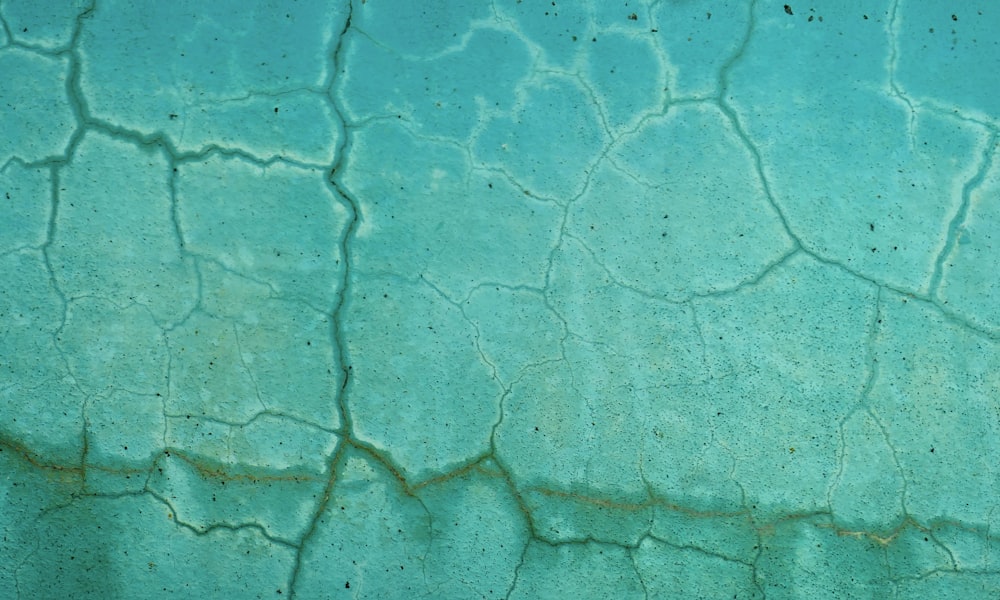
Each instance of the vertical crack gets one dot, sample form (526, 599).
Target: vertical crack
(955, 228)
(336, 330)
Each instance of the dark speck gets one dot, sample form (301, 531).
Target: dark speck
(788, 9)
(954, 17)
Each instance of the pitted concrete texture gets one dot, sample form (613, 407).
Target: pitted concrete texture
(511, 299)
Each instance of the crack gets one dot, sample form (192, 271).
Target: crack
(489, 463)
(955, 226)
(336, 326)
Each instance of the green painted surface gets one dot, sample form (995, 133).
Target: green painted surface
(391, 299)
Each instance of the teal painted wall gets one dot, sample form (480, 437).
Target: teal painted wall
(512, 299)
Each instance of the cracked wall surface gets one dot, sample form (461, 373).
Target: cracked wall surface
(510, 299)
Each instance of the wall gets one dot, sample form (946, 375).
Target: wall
(521, 299)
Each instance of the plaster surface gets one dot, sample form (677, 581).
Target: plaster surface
(511, 299)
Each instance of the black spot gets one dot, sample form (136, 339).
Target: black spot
(788, 9)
